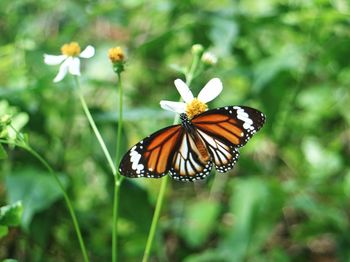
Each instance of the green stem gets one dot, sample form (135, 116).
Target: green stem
(194, 66)
(115, 220)
(164, 183)
(93, 126)
(66, 197)
(118, 179)
(120, 122)
(155, 219)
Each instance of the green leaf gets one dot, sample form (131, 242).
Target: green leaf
(346, 184)
(38, 190)
(256, 205)
(223, 27)
(200, 220)
(3, 154)
(289, 58)
(3, 231)
(323, 162)
(18, 122)
(10, 215)
(206, 256)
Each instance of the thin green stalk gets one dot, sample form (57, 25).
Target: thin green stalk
(118, 179)
(155, 219)
(191, 73)
(66, 197)
(164, 183)
(120, 122)
(156, 215)
(115, 220)
(93, 126)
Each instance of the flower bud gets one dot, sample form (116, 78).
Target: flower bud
(197, 49)
(117, 57)
(3, 133)
(5, 120)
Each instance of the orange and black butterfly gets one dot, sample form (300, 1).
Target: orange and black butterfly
(188, 151)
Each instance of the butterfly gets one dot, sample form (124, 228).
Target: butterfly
(189, 150)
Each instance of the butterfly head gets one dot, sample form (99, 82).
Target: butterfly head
(184, 118)
(186, 122)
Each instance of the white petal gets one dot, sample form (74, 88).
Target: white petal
(62, 71)
(211, 90)
(184, 91)
(54, 59)
(177, 107)
(74, 66)
(88, 52)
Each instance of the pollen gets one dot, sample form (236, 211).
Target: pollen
(116, 54)
(71, 49)
(195, 107)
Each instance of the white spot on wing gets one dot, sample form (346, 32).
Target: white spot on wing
(242, 115)
(134, 159)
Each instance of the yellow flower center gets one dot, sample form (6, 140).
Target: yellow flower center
(116, 54)
(71, 49)
(195, 107)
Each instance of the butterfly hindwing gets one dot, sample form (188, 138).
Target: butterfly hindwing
(188, 151)
(151, 156)
(191, 160)
(223, 155)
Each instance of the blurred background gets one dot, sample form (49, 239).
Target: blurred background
(287, 199)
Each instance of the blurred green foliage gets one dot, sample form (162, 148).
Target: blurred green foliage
(286, 200)
(10, 215)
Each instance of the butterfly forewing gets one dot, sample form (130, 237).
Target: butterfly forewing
(233, 124)
(152, 156)
(188, 151)
(226, 129)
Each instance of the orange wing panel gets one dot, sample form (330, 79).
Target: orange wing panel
(162, 137)
(232, 128)
(221, 132)
(212, 118)
(153, 157)
(165, 151)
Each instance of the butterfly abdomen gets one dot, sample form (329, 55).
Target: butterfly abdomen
(201, 148)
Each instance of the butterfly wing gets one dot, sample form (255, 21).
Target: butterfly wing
(226, 129)
(191, 160)
(223, 154)
(189, 156)
(152, 157)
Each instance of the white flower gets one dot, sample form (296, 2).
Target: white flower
(193, 106)
(69, 59)
(209, 58)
